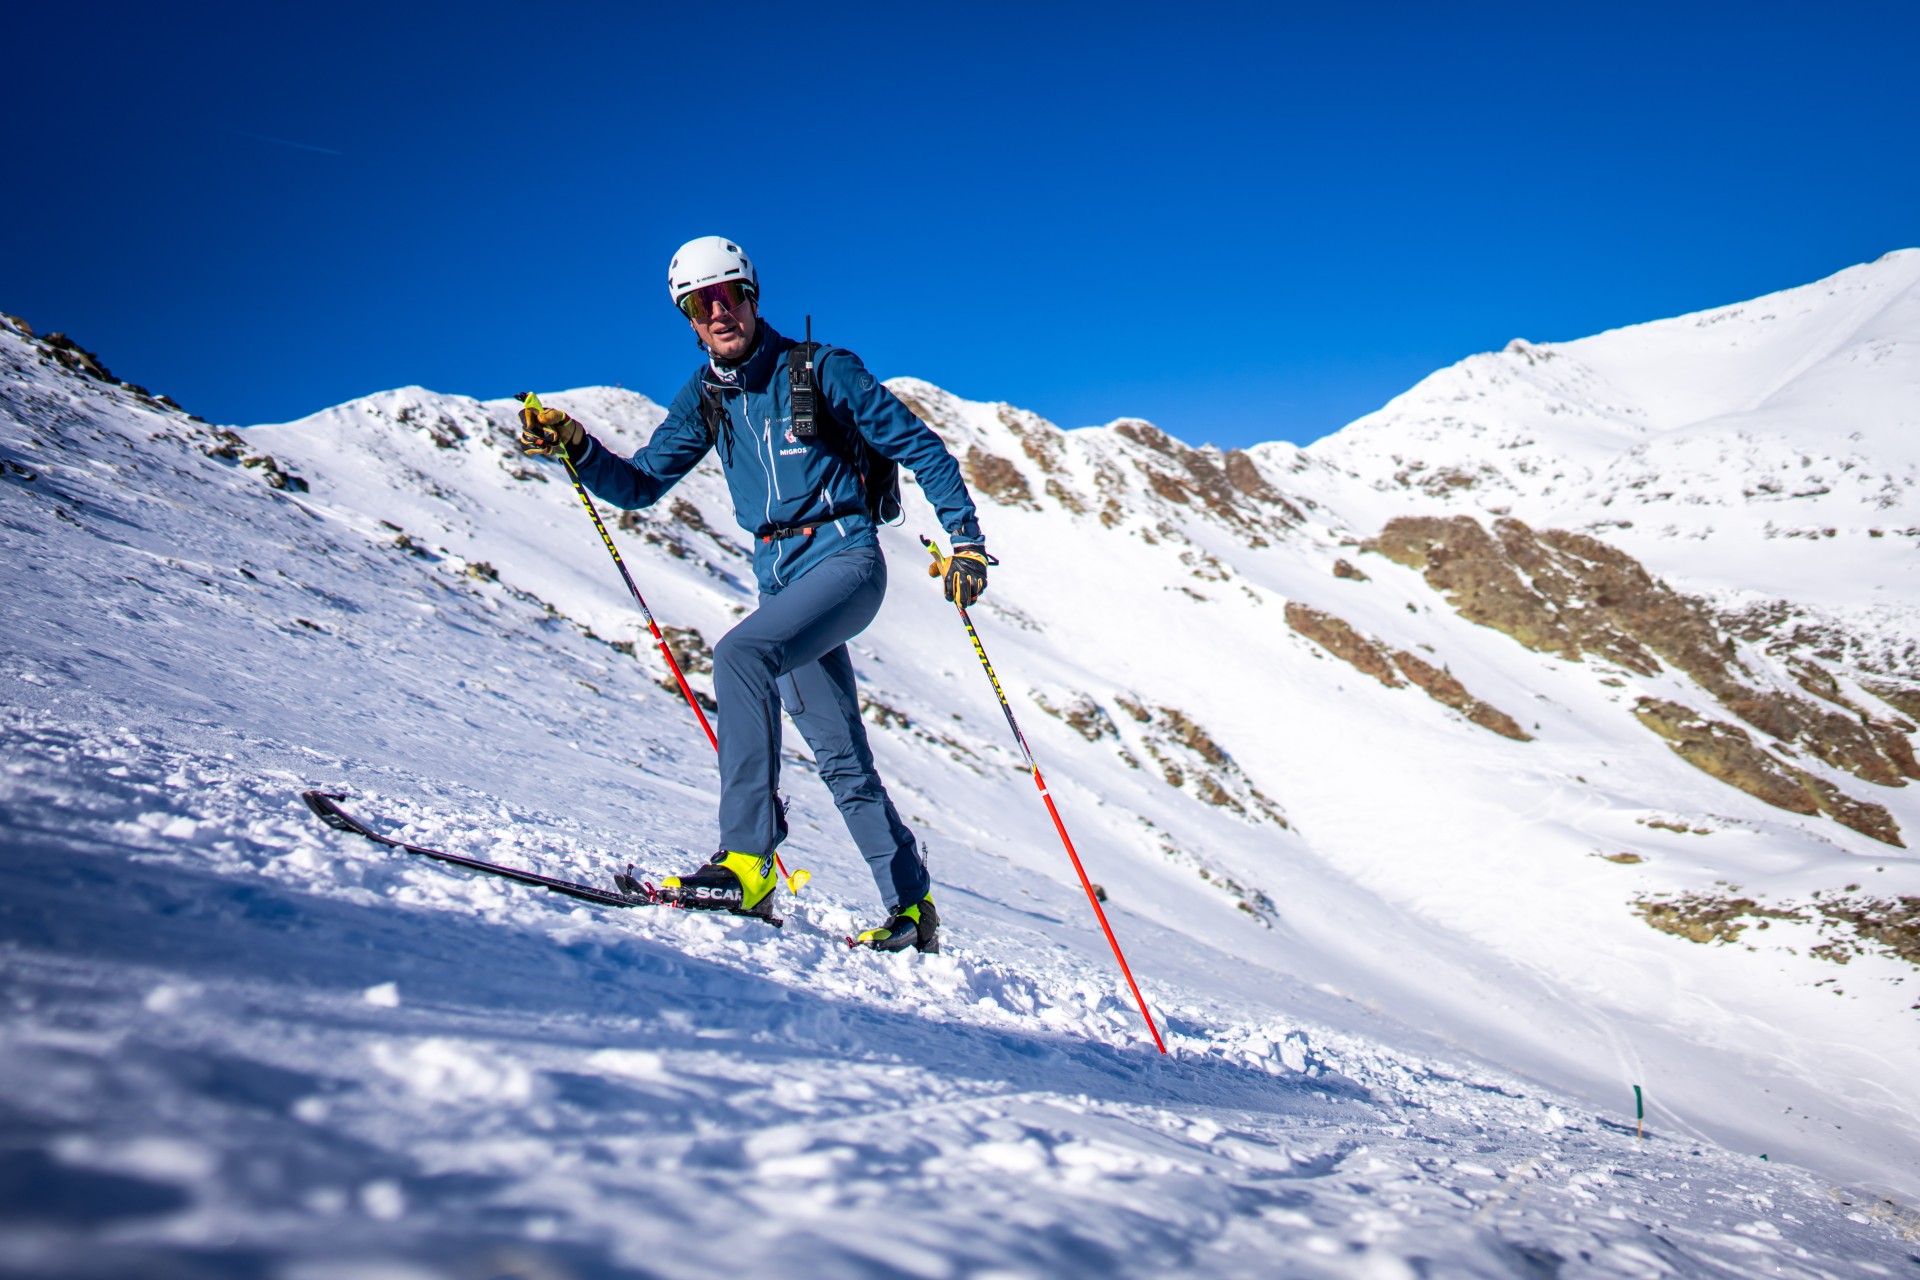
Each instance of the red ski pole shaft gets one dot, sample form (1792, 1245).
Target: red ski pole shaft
(673, 665)
(666, 652)
(1006, 708)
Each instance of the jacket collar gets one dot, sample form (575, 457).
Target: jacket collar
(756, 371)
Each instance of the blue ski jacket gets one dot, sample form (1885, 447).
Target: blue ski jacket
(778, 481)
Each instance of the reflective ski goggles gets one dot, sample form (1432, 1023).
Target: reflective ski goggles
(698, 305)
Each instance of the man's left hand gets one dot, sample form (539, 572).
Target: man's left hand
(966, 579)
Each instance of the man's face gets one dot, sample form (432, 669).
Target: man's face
(726, 330)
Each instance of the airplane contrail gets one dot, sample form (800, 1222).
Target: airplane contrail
(303, 146)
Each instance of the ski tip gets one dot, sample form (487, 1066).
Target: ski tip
(799, 880)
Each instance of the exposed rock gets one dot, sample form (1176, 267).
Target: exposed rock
(1145, 433)
(1849, 926)
(689, 515)
(1066, 497)
(671, 530)
(226, 446)
(1243, 474)
(886, 716)
(1705, 917)
(1572, 595)
(76, 358)
(1819, 682)
(442, 430)
(1904, 698)
(1516, 583)
(1893, 924)
(882, 714)
(998, 478)
(1227, 486)
(689, 648)
(1249, 899)
(1344, 569)
(1370, 657)
(651, 531)
(1864, 816)
(1727, 752)
(1193, 737)
(1443, 688)
(1785, 629)
(1188, 757)
(1337, 636)
(277, 476)
(1042, 441)
(1083, 715)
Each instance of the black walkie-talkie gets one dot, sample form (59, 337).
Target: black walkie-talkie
(800, 387)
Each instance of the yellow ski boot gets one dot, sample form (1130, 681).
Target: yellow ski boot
(738, 882)
(916, 926)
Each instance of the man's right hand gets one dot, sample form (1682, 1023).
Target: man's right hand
(547, 432)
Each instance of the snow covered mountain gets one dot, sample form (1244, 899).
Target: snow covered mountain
(1543, 735)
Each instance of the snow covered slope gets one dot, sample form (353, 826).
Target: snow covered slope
(1752, 448)
(1398, 942)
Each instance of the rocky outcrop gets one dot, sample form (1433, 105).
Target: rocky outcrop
(225, 446)
(1848, 924)
(1228, 486)
(1442, 687)
(1344, 569)
(1370, 657)
(1186, 756)
(1705, 917)
(1339, 637)
(59, 349)
(998, 478)
(1787, 629)
(1904, 698)
(1727, 752)
(1574, 596)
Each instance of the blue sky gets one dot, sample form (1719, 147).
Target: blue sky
(1243, 223)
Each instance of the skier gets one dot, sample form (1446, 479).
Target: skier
(811, 507)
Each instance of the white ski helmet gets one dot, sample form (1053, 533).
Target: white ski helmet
(709, 260)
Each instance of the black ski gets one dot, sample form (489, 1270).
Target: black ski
(630, 892)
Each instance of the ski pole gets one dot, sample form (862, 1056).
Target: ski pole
(798, 880)
(938, 569)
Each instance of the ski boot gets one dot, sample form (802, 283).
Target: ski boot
(916, 926)
(741, 883)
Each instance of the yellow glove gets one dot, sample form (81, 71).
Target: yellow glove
(964, 572)
(546, 432)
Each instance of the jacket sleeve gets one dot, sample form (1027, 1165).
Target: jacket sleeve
(675, 448)
(856, 396)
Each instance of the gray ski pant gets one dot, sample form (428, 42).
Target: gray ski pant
(794, 647)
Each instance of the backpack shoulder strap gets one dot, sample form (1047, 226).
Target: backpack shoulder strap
(714, 415)
(814, 422)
